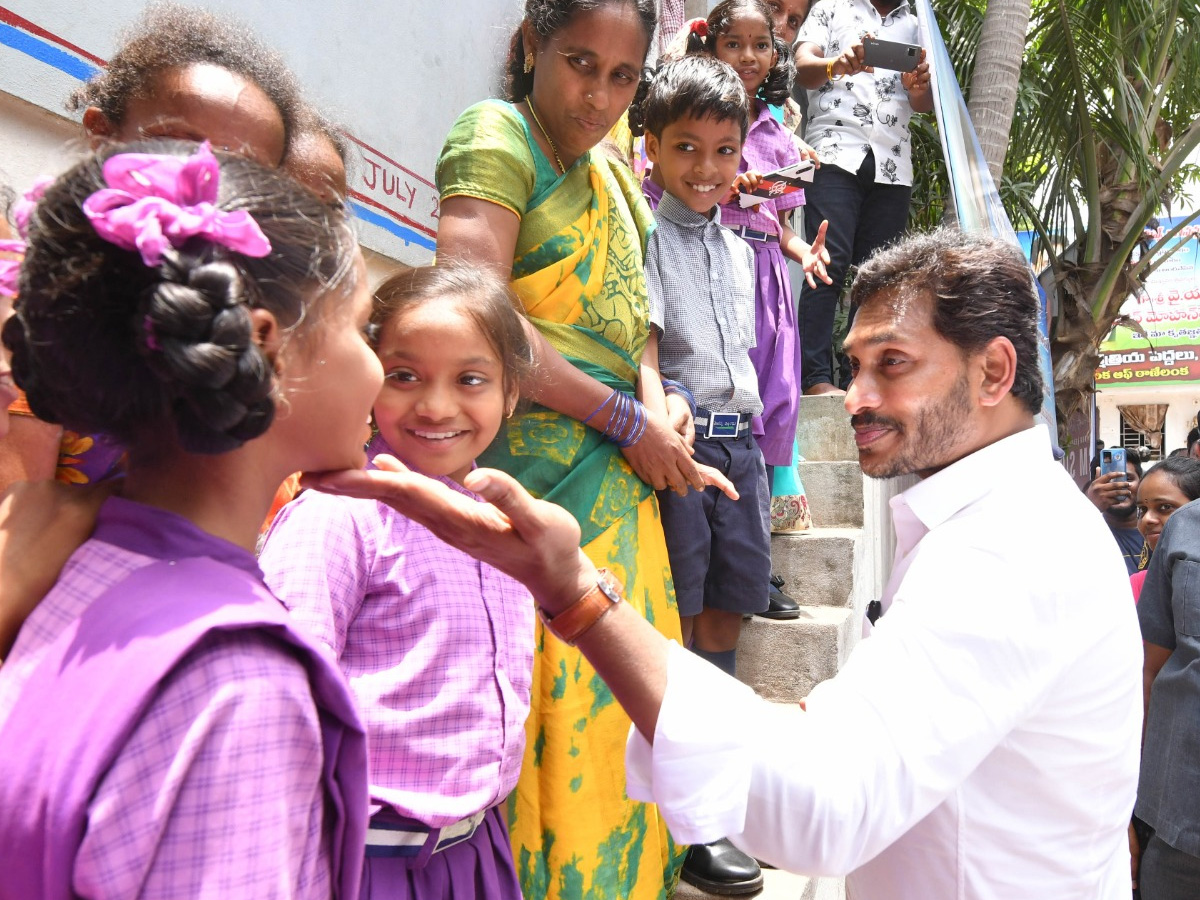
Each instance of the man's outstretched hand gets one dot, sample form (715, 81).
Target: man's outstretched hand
(534, 541)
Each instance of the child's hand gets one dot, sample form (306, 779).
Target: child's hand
(807, 151)
(714, 478)
(679, 414)
(816, 258)
(747, 181)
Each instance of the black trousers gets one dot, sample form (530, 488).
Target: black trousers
(863, 217)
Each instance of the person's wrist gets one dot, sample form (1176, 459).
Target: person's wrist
(571, 623)
(576, 581)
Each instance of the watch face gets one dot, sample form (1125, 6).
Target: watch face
(609, 584)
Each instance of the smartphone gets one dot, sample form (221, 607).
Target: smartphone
(1113, 461)
(890, 54)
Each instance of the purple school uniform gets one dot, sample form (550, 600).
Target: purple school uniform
(776, 352)
(165, 732)
(438, 650)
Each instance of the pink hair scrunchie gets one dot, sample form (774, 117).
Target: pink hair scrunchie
(155, 201)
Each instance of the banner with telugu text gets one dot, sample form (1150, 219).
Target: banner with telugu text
(1168, 311)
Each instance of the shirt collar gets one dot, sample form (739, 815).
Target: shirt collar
(944, 494)
(762, 115)
(674, 209)
(160, 534)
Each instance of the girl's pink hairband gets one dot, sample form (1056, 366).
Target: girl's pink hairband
(155, 201)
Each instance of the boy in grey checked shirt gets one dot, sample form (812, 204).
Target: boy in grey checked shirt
(700, 278)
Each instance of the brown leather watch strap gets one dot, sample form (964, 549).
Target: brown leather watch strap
(574, 621)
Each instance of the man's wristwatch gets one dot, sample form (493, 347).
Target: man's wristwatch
(574, 621)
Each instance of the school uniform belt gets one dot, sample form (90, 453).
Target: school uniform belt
(715, 426)
(389, 838)
(753, 234)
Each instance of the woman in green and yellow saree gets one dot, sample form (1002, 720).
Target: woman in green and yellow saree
(525, 189)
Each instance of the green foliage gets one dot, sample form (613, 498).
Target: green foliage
(1108, 110)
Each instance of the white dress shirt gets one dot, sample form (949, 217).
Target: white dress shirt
(981, 744)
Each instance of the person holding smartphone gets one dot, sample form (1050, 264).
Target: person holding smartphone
(858, 124)
(1114, 493)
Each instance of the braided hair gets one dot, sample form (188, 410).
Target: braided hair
(101, 342)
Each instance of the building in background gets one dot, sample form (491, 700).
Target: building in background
(1148, 380)
(395, 75)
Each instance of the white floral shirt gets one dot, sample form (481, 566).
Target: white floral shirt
(867, 111)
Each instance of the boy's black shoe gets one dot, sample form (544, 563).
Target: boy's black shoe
(721, 868)
(779, 604)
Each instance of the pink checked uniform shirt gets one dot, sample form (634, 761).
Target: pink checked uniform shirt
(225, 764)
(768, 147)
(437, 646)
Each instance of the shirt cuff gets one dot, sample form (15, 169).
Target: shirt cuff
(697, 770)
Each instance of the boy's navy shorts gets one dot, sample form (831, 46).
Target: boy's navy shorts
(720, 549)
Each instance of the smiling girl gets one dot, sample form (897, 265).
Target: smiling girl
(1168, 486)
(437, 646)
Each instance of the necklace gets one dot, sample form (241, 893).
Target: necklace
(549, 140)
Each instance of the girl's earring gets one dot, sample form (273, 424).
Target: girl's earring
(528, 62)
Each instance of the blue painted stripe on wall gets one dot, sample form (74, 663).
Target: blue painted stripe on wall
(405, 234)
(50, 55)
(72, 65)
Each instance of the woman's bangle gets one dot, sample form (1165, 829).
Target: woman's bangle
(829, 71)
(607, 400)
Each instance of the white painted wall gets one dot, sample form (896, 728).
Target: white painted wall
(396, 73)
(1182, 402)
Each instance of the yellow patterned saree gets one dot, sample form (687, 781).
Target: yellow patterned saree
(578, 272)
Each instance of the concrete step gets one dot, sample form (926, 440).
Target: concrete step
(835, 493)
(824, 430)
(784, 660)
(777, 885)
(817, 565)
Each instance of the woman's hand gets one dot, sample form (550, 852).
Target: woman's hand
(815, 259)
(664, 461)
(662, 458)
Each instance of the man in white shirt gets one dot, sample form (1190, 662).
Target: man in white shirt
(982, 743)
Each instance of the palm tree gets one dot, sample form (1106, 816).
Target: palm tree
(997, 76)
(1108, 111)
